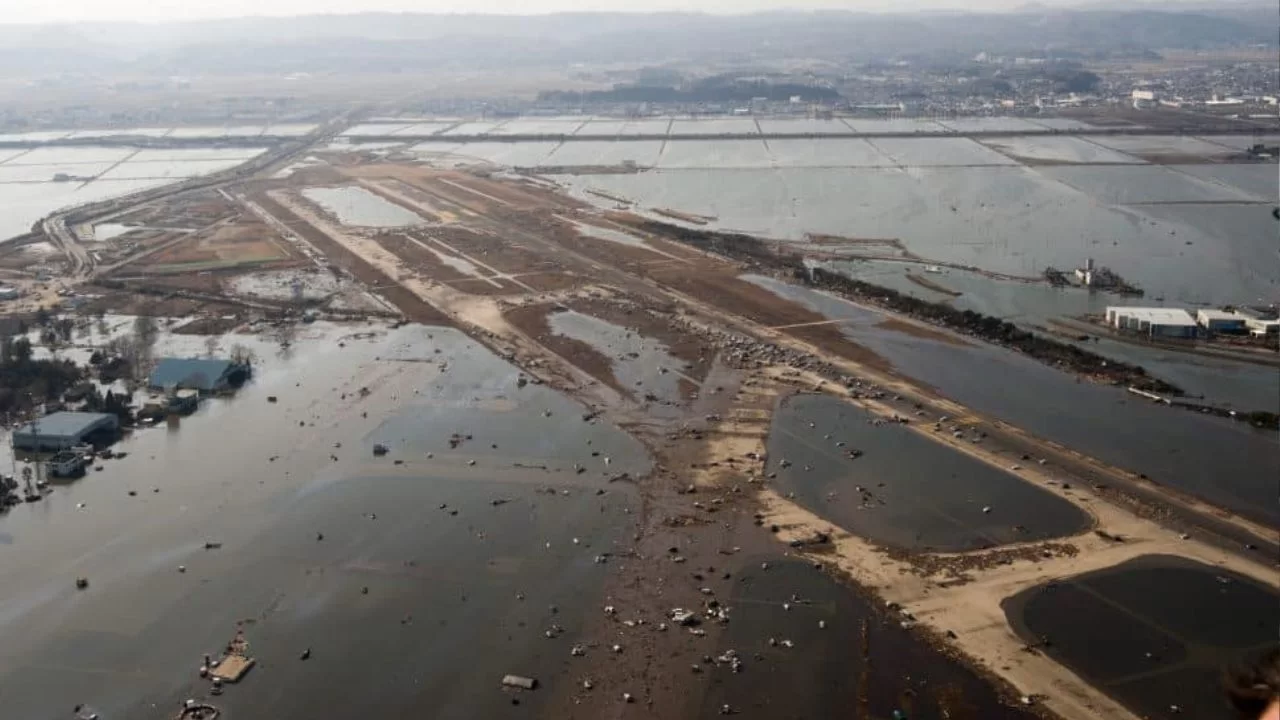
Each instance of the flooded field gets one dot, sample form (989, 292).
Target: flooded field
(1168, 229)
(1262, 181)
(413, 581)
(23, 204)
(497, 153)
(901, 489)
(1057, 150)
(1156, 146)
(1156, 632)
(358, 207)
(828, 666)
(1229, 464)
(28, 191)
(1010, 220)
(1133, 184)
(602, 153)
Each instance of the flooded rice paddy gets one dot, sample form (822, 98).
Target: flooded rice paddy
(1227, 463)
(901, 489)
(1007, 219)
(29, 192)
(1156, 632)
(462, 562)
(355, 206)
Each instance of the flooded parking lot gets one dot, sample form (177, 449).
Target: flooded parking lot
(1156, 632)
(889, 484)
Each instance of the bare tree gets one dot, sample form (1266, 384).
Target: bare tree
(211, 346)
(243, 355)
(284, 333)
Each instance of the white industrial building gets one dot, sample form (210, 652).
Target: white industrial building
(1154, 322)
(1223, 321)
(1263, 328)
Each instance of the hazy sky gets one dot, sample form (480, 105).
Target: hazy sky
(27, 11)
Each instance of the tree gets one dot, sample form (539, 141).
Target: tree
(145, 332)
(242, 355)
(20, 350)
(146, 329)
(211, 346)
(284, 333)
(63, 329)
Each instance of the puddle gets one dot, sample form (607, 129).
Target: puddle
(621, 238)
(819, 676)
(642, 365)
(1155, 632)
(916, 493)
(460, 264)
(110, 231)
(358, 207)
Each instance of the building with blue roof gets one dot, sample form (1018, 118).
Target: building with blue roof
(61, 430)
(207, 375)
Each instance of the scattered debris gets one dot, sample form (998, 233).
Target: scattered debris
(519, 681)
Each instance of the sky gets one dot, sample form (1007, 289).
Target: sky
(39, 11)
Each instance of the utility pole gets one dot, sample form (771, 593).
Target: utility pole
(864, 678)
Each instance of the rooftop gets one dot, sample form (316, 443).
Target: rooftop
(195, 373)
(1221, 315)
(1155, 315)
(64, 423)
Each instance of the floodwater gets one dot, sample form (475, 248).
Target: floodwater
(641, 364)
(110, 231)
(356, 206)
(24, 204)
(1222, 461)
(1186, 236)
(1058, 149)
(1247, 386)
(825, 667)
(905, 490)
(457, 595)
(1155, 633)
(28, 192)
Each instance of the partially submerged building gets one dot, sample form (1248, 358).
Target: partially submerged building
(1223, 321)
(62, 430)
(205, 375)
(1155, 322)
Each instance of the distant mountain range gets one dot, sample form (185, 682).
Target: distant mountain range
(382, 42)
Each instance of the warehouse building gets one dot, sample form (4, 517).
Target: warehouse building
(62, 430)
(1223, 321)
(1153, 322)
(205, 375)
